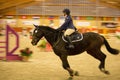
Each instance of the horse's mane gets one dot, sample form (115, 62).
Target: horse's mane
(51, 31)
(47, 28)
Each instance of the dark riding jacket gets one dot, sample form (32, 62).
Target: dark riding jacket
(67, 24)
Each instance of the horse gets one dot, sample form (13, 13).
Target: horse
(91, 43)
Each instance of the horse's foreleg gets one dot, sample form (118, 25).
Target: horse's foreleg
(66, 65)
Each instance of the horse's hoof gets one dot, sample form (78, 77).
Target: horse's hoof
(76, 73)
(107, 72)
(70, 78)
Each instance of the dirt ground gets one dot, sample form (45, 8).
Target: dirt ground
(47, 66)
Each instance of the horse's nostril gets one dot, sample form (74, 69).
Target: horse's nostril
(32, 42)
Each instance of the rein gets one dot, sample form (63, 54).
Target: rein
(57, 40)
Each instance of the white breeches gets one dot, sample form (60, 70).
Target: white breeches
(69, 32)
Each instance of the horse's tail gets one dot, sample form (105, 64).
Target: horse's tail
(109, 48)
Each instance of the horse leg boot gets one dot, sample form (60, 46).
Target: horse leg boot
(70, 45)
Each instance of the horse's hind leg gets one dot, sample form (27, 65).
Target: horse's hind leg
(98, 54)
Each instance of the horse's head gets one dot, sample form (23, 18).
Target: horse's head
(37, 35)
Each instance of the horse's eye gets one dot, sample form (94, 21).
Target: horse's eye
(36, 31)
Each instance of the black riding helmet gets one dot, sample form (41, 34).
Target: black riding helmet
(67, 11)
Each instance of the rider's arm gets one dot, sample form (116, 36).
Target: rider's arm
(65, 24)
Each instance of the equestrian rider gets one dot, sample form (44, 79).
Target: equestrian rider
(68, 27)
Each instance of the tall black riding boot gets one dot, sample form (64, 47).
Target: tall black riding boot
(70, 45)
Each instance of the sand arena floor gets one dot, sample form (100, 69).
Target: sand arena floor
(47, 66)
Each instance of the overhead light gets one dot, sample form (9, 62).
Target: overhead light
(39, 0)
(48, 10)
(44, 6)
(101, 7)
(111, 2)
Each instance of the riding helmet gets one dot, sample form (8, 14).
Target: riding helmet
(67, 11)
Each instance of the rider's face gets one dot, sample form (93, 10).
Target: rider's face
(65, 14)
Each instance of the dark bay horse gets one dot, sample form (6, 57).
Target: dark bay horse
(91, 43)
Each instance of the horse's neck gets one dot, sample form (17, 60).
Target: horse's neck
(51, 37)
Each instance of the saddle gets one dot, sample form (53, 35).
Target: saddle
(75, 37)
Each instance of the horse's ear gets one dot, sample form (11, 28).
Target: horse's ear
(35, 25)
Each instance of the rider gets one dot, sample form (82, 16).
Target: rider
(68, 27)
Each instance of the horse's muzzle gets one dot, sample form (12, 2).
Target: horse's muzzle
(33, 43)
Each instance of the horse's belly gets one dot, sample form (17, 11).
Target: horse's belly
(75, 52)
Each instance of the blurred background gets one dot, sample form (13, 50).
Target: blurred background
(18, 17)
(101, 16)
